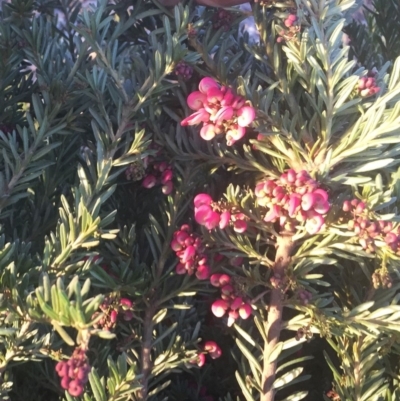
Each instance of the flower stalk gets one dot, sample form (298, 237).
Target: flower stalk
(272, 326)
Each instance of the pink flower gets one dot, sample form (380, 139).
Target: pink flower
(228, 98)
(196, 100)
(219, 308)
(237, 303)
(200, 116)
(202, 213)
(125, 302)
(149, 181)
(246, 116)
(234, 134)
(321, 204)
(233, 315)
(199, 361)
(224, 280)
(180, 269)
(208, 132)
(207, 83)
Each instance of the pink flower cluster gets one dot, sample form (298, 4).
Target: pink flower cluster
(161, 173)
(74, 373)
(230, 303)
(367, 229)
(183, 70)
(212, 214)
(220, 111)
(223, 19)
(367, 85)
(190, 251)
(111, 310)
(292, 28)
(294, 198)
(211, 348)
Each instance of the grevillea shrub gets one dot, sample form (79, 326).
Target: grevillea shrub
(188, 212)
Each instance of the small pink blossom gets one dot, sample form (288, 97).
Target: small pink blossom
(224, 219)
(167, 188)
(207, 132)
(203, 272)
(201, 116)
(207, 83)
(202, 199)
(245, 311)
(314, 223)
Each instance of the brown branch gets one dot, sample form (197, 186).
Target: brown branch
(273, 325)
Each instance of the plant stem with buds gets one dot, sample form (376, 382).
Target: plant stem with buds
(273, 324)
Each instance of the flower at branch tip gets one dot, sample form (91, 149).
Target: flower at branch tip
(149, 181)
(220, 111)
(74, 372)
(293, 198)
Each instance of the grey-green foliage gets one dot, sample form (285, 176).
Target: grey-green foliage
(76, 94)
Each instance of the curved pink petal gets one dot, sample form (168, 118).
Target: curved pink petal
(202, 199)
(228, 98)
(240, 226)
(207, 83)
(201, 116)
(238, 102)
(236, 133)
(246, 116)
(196, 100)
(225, 218)
(214, 95)
(224, 114)
(208, 132)
(202, 214)
(308, 201)
(294, 204)
(321, 193)
(212, 221)
(273, 213)
(322, 207)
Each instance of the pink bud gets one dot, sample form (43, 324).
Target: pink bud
(233, 315)
(202, 199)
(235, 133)
(246, 116)
(208, 132)
(113, 316)
(214, 280)
(207, 83)
(167, 175)
(212, 221)
(202, 213)
(360, 207)
(307, 201)
(180, 269)
(224, 219)
(361, 83)
(188, 254)
(346, 206)
(200, 116)
(180, 237)
(227, 289)
(196, 100)
(237, 303)
(213, 349)
(167, 188)
(199, 361)
(294, 204)
(149, 181)
(219, 308)
(240, 226)
(203, 272)
(245, 311)
(125, 302)
(224, 280)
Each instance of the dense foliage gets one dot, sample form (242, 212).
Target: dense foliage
(190, 212)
